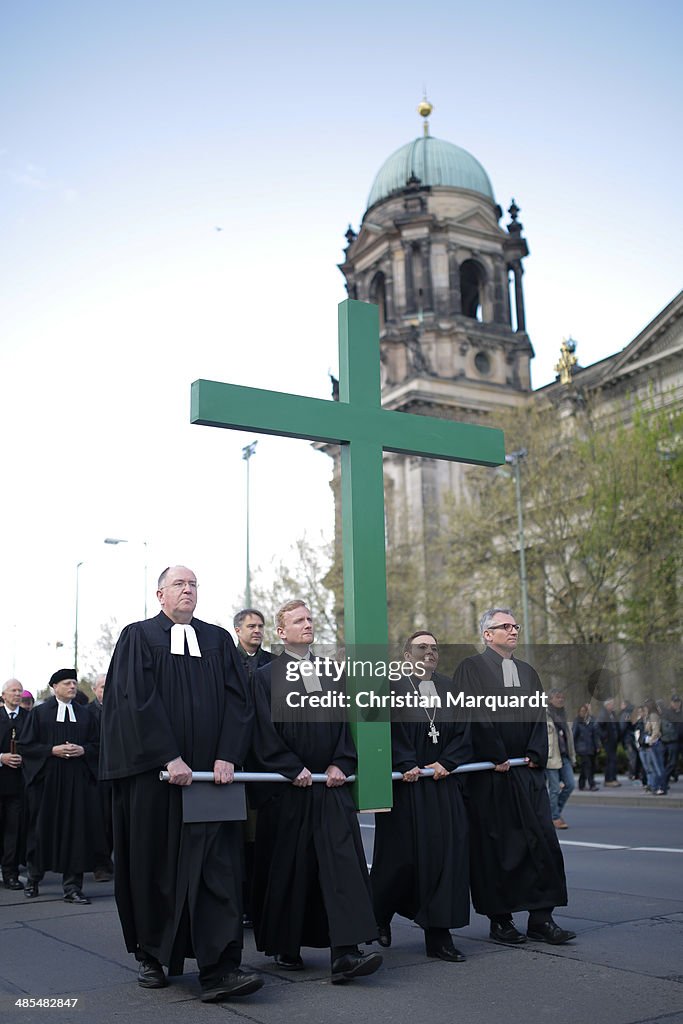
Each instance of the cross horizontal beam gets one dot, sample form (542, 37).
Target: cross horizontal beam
(217, 404)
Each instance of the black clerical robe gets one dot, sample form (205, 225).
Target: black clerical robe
(12, 801)
(253, 662)
(104, 790)
(65, 823)
(515, 857)
(311, 885)
(178, 886)
(420, 864)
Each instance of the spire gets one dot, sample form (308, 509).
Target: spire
(424, 109)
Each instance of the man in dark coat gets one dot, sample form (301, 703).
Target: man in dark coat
(60, 747)
(176, 698)
(249, 625)
(311, 885)
(515, 858)
(12, 717)
(608, 724)
(104, 868)
(420, 859)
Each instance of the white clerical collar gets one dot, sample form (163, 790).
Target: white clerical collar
(180, 631)
(297, 655)
(510, 673)
(427, 688)
(310, 680)
(62, 708)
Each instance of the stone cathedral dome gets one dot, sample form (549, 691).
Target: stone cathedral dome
(433, 162)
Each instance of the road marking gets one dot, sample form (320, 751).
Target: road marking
(599, 846)
(609, 846)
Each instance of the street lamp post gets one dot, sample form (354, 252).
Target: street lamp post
(78, 572)
(247, 453)
(124, 540)
(514, 459)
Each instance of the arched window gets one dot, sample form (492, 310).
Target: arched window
(378, 295)
(471, 288)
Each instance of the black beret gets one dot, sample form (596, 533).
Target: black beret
(61, 674)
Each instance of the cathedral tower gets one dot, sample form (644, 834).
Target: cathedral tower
(447, 279)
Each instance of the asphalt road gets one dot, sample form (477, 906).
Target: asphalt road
(625, 873)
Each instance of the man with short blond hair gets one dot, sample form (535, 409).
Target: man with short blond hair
(289, 606)
(311, 885)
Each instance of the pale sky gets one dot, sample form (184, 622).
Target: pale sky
(133, 131)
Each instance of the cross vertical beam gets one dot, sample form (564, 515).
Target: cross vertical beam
(363, 539)
(364, 430)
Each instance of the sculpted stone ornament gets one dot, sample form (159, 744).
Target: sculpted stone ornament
(567, 361)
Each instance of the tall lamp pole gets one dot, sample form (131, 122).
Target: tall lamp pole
(514, 459)
(78, 572)
(247, 453)
(124, 540)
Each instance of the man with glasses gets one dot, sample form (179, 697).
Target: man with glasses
(420, 859)
(515, 858)
(176, 698)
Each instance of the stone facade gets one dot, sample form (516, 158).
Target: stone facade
(447, 278)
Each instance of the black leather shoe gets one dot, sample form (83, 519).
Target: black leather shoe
(355, 965)
(237, 983)
(506, 934)
(31, 889)
(550, 932)
(77, 897)
(12, 882)
(247, 921)
(288, 963)
(151, 974)
(447, 952)
(384, 935)
(102, 875)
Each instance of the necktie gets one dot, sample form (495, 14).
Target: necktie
(180, 631)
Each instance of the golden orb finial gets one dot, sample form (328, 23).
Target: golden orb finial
(424, 109)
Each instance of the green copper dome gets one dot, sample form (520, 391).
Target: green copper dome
(434, 162)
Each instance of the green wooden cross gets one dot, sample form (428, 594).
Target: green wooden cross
(364, 429)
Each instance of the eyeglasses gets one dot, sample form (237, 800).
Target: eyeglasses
(180, 585)
(509, 627)
(425, 647)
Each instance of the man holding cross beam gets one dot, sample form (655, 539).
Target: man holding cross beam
(176, 697)
(311, 885)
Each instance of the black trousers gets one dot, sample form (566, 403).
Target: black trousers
(72, 881)
(587, 773)
(610, 762)
(10, 831)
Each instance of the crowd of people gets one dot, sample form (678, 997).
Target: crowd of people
(650, 734)
(80, 791)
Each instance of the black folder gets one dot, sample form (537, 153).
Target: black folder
(206, 801)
